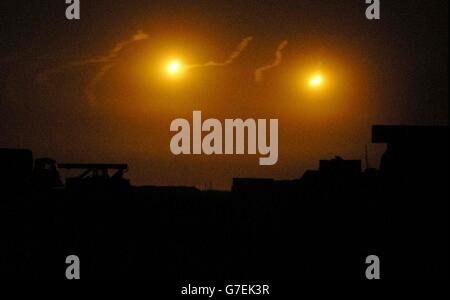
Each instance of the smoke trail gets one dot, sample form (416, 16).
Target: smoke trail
(236, 53)
(278, 58)
(90, 87)
(107, 61)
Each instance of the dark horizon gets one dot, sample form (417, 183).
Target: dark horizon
(264, 230)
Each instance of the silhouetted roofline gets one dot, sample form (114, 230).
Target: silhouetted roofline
(94, 166)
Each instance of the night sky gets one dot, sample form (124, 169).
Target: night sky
(388, 71)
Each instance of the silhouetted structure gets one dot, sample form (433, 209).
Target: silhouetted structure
(251, 184)
(339, 167)
(45, 173)
(323, 224)
(413, 199)
(95, 175)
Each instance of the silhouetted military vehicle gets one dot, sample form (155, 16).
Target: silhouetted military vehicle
(96, 176)
(45, 173)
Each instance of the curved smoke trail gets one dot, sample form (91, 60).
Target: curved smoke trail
(278, 58)
(236, 53)
(107, 61)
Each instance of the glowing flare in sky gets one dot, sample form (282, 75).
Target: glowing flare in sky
(174, 67)
(316, 81)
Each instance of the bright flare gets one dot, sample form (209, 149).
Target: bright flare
(316, 81)
(174, 67)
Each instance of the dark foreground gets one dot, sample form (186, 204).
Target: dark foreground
(321, 226)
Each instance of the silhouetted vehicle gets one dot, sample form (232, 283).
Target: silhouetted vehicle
(45, 174)
(96, 176)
